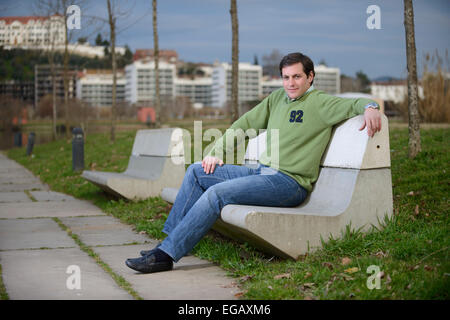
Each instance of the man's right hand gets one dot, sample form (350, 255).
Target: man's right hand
(209, 164)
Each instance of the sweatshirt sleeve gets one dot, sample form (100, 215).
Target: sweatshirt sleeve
(333, 110)
(257, 118)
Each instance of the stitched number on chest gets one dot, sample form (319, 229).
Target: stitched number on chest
(296, 116)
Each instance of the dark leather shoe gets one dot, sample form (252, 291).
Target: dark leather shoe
(149, 264)
(147, 252)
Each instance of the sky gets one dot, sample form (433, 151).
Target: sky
(331, 30)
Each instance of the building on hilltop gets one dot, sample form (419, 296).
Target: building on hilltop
(31, 31)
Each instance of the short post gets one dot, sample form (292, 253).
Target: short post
(77, 149)
(30, 143)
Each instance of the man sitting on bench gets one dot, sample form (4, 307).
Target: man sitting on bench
(304, 118)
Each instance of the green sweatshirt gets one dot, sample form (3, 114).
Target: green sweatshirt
(304, 128)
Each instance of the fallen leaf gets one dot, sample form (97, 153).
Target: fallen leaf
(428, 268)
(309, 284)
(270, 287)
(310, 298)
(283, 275)
(229, 285)
(328, 265)
(411, 193)
(307, 275)
(388, 279)
(346, 260)
(352, 270)
(142, 232)
(416, 210)
(381, 254)
(245, 278)
(239, 294)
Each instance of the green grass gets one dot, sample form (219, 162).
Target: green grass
(412, 248)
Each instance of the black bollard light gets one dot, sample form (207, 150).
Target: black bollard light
(77, 149)
(30, 143)
(18, 139)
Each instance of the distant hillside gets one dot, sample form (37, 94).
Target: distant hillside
(18, 64)
(385, 79)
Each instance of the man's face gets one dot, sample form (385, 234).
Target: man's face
(295, 81)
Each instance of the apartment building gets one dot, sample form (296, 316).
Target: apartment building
(32, 31)
(140, 81)
(95, 87)
(43, 82)
(327, 79)
(249, 83)
(270, 84)
(198, 90)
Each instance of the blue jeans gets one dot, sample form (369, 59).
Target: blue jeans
(202, 196)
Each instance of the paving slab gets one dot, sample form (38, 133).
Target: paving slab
(18, 180)
(14, 197)
(33, 233)
(191, 278)
(104, 230)
(43, 274)
(51, 196)
(23, 186)
(48, 209)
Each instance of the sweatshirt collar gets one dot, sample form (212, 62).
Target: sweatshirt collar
(298, 98)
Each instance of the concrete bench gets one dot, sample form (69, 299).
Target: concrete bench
(156, 161)
(354, 188)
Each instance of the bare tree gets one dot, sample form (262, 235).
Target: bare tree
(114, 15)
(112, 28)
(234, 62)
(271, 63)
(413, 104)
(156, 57)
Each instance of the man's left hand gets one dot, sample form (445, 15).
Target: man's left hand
(372, 119)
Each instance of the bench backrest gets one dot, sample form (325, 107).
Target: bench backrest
(348, 147)
(157, 143)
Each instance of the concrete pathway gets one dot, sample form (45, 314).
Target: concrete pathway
(41, 260)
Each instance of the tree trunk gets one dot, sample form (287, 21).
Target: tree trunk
(156, 58)
(235, 62)
(112, 27)
(53, 76)
(413, 105)
(66, 74)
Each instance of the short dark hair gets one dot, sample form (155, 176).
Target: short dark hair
(297, 57)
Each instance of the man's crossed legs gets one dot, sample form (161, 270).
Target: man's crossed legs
(200, 200)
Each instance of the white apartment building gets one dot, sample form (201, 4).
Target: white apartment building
(31, 31)
(395, 91)
(140, 80)
(198, 90)
(250, 77)
(270, 85)
(95, 88)
(327, 79)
